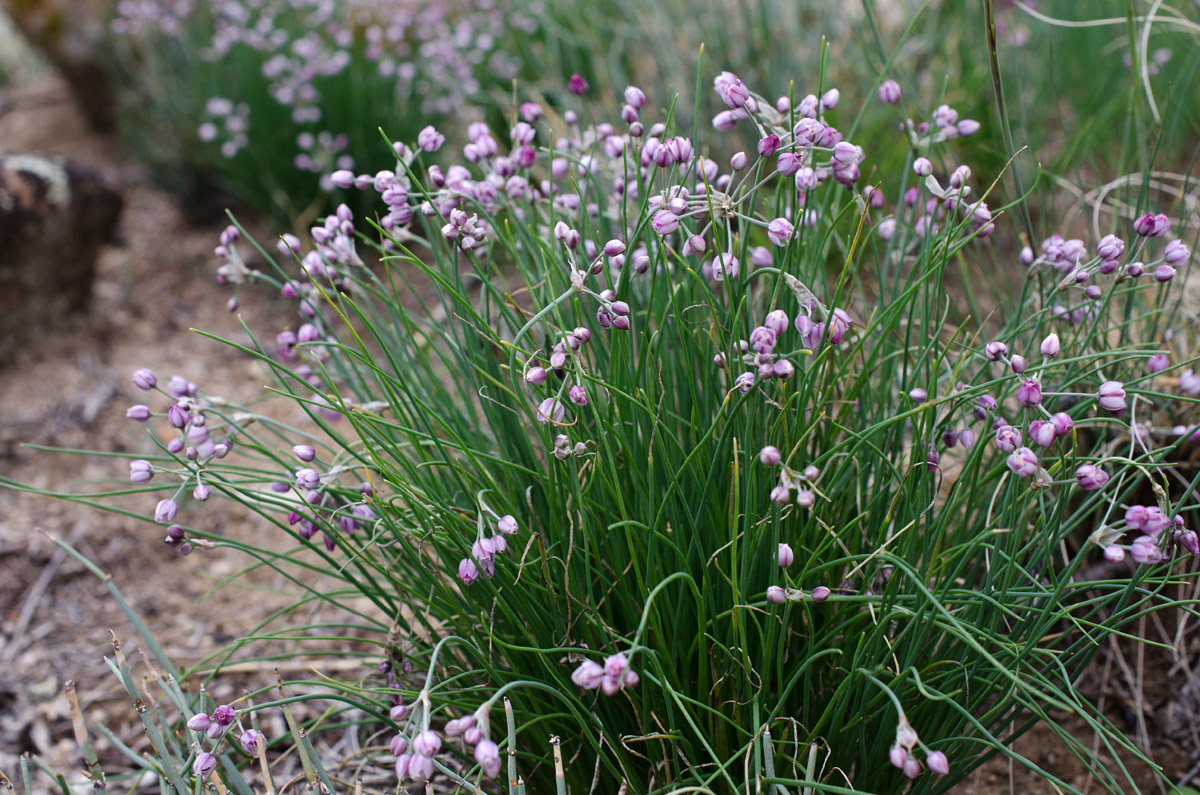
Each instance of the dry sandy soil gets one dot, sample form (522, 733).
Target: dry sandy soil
(72, 389)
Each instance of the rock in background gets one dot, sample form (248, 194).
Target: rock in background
(54, 218)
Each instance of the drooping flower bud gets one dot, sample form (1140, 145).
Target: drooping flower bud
(1090, 477)
(204, 765)
(487, 754)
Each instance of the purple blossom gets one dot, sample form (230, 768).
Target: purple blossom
(785, 556)
(551, 410)
(1008, 438)
(144, 379)
(251, 741)
(1023, 462)
(430, 140)
(487, 754)
(1111, 396)
(1029, 394)
(889, 92)
(165, 511)
(1090, 477)
(204, 765)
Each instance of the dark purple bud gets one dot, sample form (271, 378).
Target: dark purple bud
(144, 379)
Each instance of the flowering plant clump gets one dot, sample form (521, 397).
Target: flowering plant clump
(679, 456)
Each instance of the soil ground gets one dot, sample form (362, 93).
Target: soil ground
(72, 389)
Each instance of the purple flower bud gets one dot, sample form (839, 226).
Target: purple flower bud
(1150, 225)
(1063, 424)
(164, 512)
(403, 765)
(634, 97)
(507, 524)
(305, 452)
(1008, 438)
(770, 456)
(199, 722)
(897, 756)
(138, 412)
(922, 167)
(487, 754)
(780, 231)
(1111, 396)
(1023, 462)
(889, 92)
(788, 164)
(307, 478)
(398, 713)
(967, 127)
(1042, 433)
(1190, 541)
(1189, 383)
(224, 715)
(918, 395)
(724, 266)
(785, 556)
(1017, 363)
(578, 395)
(427, 744)
(342, 178)
(1176, 253)
(144, 379)
(399, 744)
(430, 140)
(780, 495)
(250, 741)
(1090, 477)
(847, 153)
(201, 493)
(1029, 393)
(588, 675)
(1164, 273)
(204, 765)
(1157, 363)
(140, 471)
(768, 146)
(1051, 346)
(912, 767)
(1145, 550)
(776, 595)
(966, 438)
(664, 222)
(821, 593)
(421, 768)
(577, 85)
(214, 730)
(938, 763)
(995, 350)
(468, 572)
(1135, 269)
(805, 498)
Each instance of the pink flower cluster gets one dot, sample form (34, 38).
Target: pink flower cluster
(609, 679)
